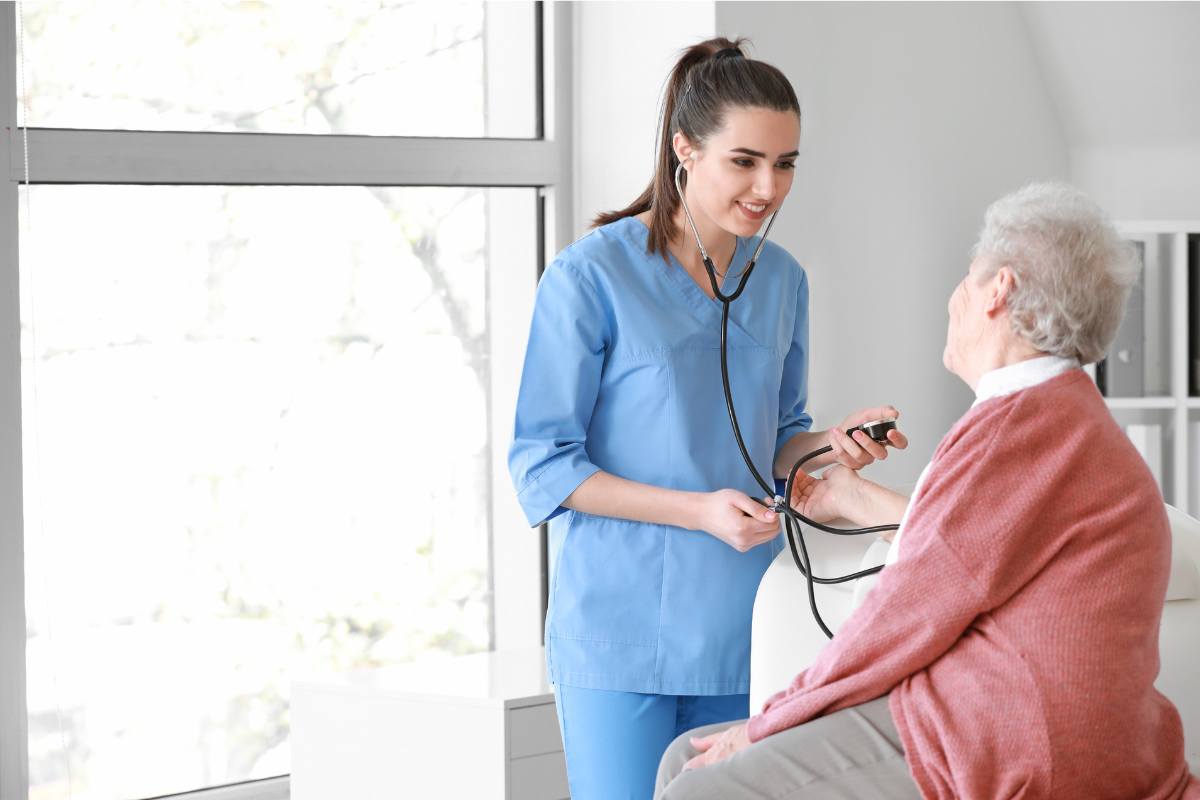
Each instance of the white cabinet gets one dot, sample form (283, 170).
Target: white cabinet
(480, 726)
(1164, 417)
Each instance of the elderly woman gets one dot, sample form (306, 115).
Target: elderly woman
(1010, 647)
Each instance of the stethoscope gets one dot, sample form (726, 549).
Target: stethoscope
(792, 518)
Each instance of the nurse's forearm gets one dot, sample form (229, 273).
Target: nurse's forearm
(606, 495)
(799, 446)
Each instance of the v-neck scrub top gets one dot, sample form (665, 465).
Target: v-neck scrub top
(623, 374)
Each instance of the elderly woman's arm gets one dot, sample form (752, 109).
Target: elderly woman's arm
(963, 556)
(917, 611)
(842, 494)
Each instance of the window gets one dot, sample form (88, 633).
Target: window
(267, 380)
(383, 68)
(281, 461)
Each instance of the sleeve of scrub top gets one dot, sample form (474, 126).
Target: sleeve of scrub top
(559, 383)
(793, 388)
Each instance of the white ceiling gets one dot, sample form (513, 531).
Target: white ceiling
(1121, 73)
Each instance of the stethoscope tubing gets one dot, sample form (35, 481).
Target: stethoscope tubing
(791, 517)
(711, 268)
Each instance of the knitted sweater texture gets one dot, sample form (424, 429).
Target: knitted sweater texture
(1018, 632)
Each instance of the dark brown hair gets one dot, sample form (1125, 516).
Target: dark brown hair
(708, 79)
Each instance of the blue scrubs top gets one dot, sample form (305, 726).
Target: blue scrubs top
(623, 374)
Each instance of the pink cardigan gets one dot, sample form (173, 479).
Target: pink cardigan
(1018, 632)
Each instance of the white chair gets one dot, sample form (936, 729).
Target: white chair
(785, 638)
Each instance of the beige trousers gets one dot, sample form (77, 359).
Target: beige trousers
(852, 753)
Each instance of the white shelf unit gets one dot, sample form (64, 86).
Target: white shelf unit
(1134, 403)
(1166, 284)
(481, 726)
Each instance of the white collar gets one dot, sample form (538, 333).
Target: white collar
(1021, 375)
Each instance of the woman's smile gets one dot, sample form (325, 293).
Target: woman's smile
(753, 211)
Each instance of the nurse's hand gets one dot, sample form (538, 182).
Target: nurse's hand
(860, 450)
(718, 746)
(736, 519)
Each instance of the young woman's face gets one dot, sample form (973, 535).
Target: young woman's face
(744, 171)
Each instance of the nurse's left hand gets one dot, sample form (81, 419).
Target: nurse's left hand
(718, 746)
(860, 450)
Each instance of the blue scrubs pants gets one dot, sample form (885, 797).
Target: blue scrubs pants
(614, 740)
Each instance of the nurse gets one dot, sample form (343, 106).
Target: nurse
(621, 427)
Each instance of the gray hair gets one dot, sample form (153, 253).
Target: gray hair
(1073, 272)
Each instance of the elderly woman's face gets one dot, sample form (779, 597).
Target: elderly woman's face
(965, 328)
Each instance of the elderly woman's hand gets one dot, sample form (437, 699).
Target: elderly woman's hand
(829, 497)
(860, 450)
(718, 746)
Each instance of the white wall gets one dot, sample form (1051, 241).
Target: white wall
(1160, 182)
(1125, 78)
(914, 118)
(624, 53)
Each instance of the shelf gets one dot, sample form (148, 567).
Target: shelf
(1165, 426)
(1156, 227)
(1141, 402)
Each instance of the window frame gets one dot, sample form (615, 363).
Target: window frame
(517, 555)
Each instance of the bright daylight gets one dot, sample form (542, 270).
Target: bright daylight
(599, 400)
